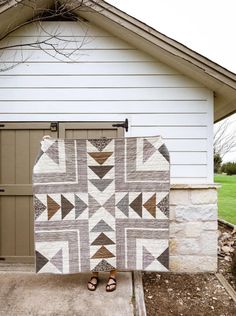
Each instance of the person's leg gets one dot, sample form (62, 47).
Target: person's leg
(92, 283)
(111, 283)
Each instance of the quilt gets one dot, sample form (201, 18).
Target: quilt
(101, 204)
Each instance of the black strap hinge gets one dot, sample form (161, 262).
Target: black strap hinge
(54, 126)
(125, 125)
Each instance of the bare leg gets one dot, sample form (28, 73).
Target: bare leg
(93, 280)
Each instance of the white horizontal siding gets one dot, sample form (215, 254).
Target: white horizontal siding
(83, 68)
(102, 55)
(67, 28)
(187, 145)
(171, 131)
(92, 94)
(160, 119)
(108, 80)
(98, 81)
(65, 43)
(124, 107)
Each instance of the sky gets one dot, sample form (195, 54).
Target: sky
(206, 26)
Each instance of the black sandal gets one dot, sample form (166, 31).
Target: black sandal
(108, 285)
(93, 284)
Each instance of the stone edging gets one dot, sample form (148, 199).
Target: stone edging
(222, 221)
(139, 303)
(226, 286)
(194, 186)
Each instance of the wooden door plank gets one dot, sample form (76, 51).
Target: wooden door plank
(16, 189)
(94, 133)
(7, 232)
(20, 143)
(22, 225)
(80, 134)
(28, 125)
(8, 157)
(22, 157)
(69, 134)
(109, 133)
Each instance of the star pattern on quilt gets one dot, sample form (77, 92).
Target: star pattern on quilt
(101, 204)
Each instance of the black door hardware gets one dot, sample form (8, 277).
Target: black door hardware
(125, 125)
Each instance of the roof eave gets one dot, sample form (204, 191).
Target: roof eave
(15, 14)
(165, 49)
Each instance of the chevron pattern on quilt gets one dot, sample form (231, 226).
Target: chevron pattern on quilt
(101, 204)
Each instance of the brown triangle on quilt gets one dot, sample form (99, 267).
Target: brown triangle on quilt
(102, 239)
(100, 157)
(150, 205)
(53, 207)
(102, 252)
(100, 171)
(137, 205)
(66, 206)
(164, 258)
(40, 261)
(103, 265)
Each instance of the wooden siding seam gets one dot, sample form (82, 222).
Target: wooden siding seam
(99, 75)
(101, 88)
(103, 100)
(101, 112)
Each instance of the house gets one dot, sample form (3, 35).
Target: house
(123, 70)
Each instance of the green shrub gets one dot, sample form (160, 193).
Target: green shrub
(217, 163)
(223, 168)
(229, 168)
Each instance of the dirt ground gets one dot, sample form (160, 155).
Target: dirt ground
(189, 294)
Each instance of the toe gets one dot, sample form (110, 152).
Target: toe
(91, 287)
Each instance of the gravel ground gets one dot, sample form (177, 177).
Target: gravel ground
(189, 294)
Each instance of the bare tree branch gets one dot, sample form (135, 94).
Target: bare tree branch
(54, 41)
(225, 137)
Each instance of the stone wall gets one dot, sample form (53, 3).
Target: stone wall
(193, 228)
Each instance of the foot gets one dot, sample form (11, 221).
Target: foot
(111, 284)
(92, 284)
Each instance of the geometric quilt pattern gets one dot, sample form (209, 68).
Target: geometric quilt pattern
(101, 204)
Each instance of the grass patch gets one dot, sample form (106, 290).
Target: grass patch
(227, 197)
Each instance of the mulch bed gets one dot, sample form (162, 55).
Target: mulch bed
(190, 294)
